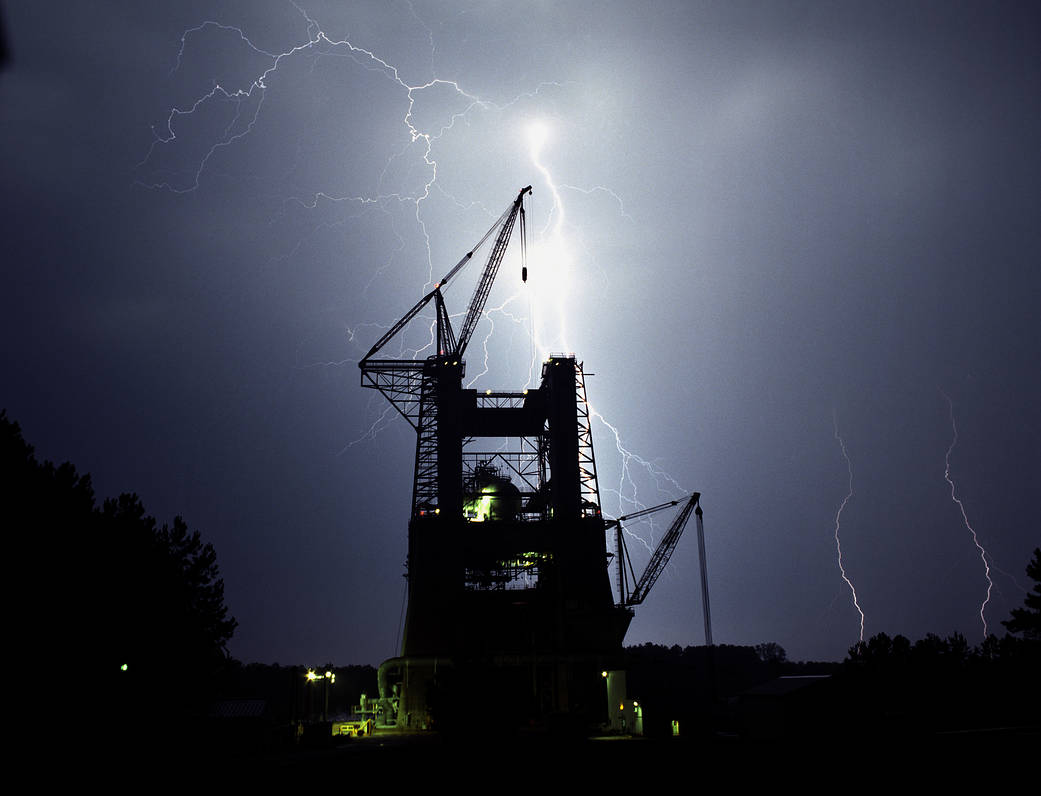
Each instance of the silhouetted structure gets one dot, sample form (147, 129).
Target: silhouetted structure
(508, 587)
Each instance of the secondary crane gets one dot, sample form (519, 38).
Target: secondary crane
(661, 555)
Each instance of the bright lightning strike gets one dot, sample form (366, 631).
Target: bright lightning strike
(552, 256)
(838, 519)
(965, 519)
(552, 275)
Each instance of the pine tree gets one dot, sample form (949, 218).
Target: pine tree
(1027, 620)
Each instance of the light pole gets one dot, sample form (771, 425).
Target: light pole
(328, 678)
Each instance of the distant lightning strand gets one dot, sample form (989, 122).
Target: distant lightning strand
(954, 497)
(838, 517)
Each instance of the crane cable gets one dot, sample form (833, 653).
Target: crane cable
(524, 279)
(469, 255)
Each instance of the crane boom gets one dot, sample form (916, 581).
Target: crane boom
(491, 268)
(447, 342)
(643, 512)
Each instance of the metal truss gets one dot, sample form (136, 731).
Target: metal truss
(590, 488)
(400, 381)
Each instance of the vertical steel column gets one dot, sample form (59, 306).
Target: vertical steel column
(704, 577)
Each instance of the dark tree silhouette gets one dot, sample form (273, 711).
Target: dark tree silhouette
(167, 616)
(1027, 620)
(771, 652)
(111, 589)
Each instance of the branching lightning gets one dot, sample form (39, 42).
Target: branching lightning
(322, 45)
(552, 254)
(838, 519)
(964, 516)
(598, 189)
(317, 44)
(626, 492)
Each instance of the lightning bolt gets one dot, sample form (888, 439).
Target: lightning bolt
(557, 259)
(838, 519)
(247, 101)
(964, 516)
(553, 261)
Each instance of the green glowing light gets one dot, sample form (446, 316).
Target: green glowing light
(496, 501)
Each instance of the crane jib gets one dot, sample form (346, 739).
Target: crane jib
(457, 345)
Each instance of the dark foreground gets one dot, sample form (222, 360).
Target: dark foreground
(432, 758)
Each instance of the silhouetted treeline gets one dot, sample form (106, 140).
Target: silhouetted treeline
(139, 606)
(887, 687)
(693, 685)
(944, 684)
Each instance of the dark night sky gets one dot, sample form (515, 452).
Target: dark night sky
(767, 215)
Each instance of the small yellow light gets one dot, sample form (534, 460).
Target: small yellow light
(603, 673)
(487, 392)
